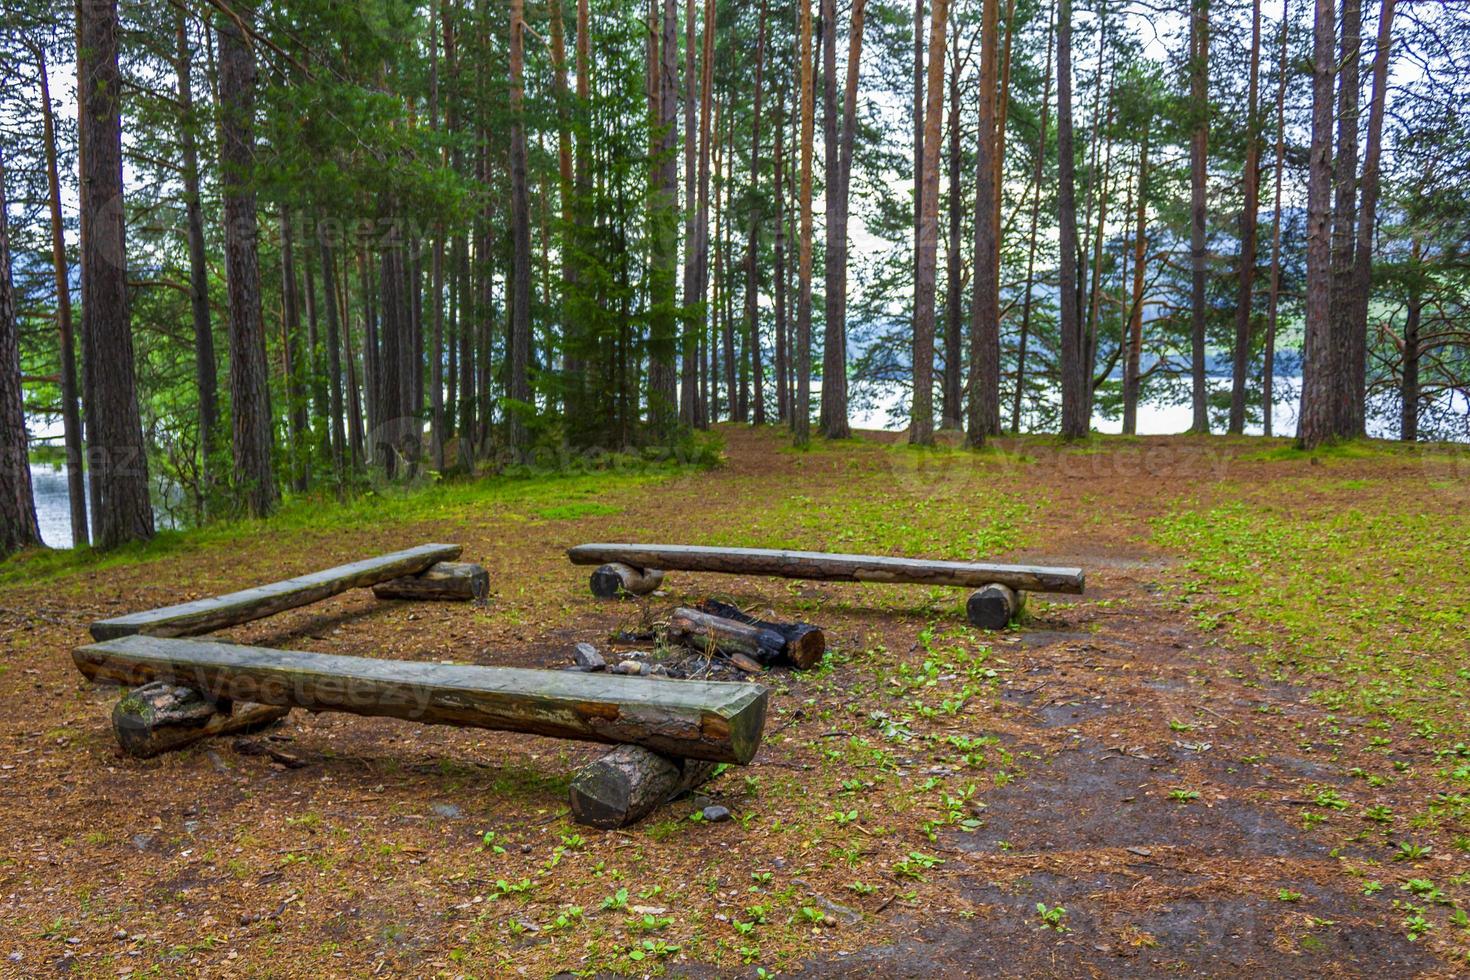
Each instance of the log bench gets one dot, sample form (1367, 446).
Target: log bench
(1000, 588)
(248, 605)
(718, 721)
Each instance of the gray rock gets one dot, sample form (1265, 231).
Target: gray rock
(447, 810)
(586, 656)
(716, 813)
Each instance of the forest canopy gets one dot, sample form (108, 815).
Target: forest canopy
(301, 245)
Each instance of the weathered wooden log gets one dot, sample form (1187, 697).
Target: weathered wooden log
(206, 615)
(994, 606)
(831, 567)
(160, 717)
(701, 631)
(631, 782)
(716, 720)
(615, 579)
(451, 581)
(805, 644)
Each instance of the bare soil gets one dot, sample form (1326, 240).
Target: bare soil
(338, 845)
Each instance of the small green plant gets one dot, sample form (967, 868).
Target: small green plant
(652, 947)
(1052, 917)
(1287, 895)
(843, 817)
(573, 842)
(862, 888)
(649, 922)
(617, 901)
(813, 915)
(1412, 852)
(1181, 795)
(1372, 888)
(1378, 813)
(915, 865)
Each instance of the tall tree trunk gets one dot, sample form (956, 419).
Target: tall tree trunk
(1249, 209)
(205, 372)
(697, 285)
(1075, 374)
(1036, 178)
(334, 349)
(18, 526)
(1131, 363)
(918, 134)
(725, 329)
(838, 150)
(1409, 386)
(689, 343)
(752, 241)
(1268, 369)
(292, 356)
(117, 461)
(804, 68)
(519, 338)
(984, 402)
(1344, 218)
(71, 416)
(1362, 281)
(921, 425)
(1199, 100)
(663, 369)
(783, 405)
(1094, 300)
(951, 383)
(1317, 417)
(436, 261)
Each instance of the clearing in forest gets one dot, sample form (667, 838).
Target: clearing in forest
(1244, 747)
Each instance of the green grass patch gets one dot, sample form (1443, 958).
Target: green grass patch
(550, 496)
(1369, 604)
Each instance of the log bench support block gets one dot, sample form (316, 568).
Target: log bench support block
(451, 581)
(994, 606)
(614, 579)
(160, 717)
(630, 782)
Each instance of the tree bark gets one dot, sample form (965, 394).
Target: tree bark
(663, 371)
(1362, 280)
(452, 581)
(160, 717)
(1248, 213)
(1199, 100)
(1344, 219)
(334, 349)
(719, 721)
(71, 416)
(984, 402)
(248, 605)
(629, 783)
(1268, 369)
(250, 409)
(1036, 178)
(783, 402)
(805, 68)
(519, 383)
(18, 527)
(121, 510)
(752, 242)
(1316, 419)
(838, 145)
(292, 356)
(616, 579)
(921, 424)
(1409, 385)
(1131, 363)
(951, 383)
(1075, 373)
(689, 396)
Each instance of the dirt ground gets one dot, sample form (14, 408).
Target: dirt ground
(920, 807)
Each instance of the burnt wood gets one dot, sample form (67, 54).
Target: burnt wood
(994, 606)
(805, 644)
(701, 631)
